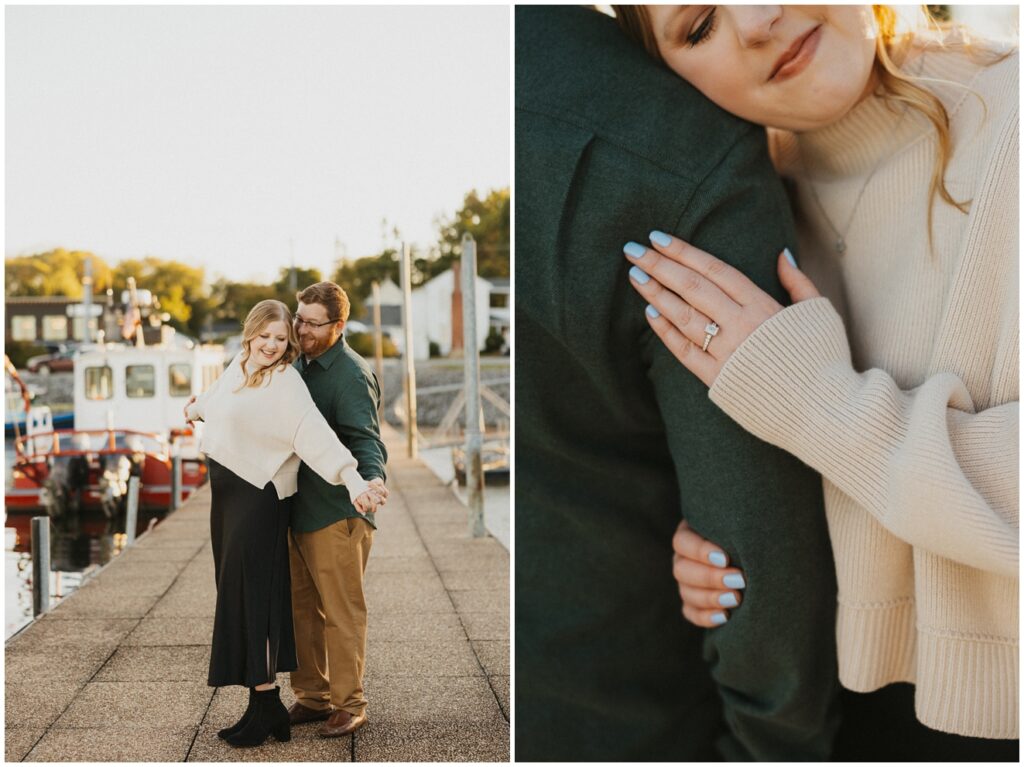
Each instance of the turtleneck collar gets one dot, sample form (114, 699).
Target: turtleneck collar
(871, 131)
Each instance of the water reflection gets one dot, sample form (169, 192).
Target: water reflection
(80, 543)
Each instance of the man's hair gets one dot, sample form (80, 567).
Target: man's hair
(330, 296)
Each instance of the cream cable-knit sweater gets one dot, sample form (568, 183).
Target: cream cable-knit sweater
(263, 433)
(905, 399)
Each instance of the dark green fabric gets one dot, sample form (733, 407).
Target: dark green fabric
(615, 440)
(347, 394)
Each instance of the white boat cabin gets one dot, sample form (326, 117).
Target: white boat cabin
(142, 389)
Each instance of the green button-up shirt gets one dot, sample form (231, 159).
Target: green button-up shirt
(347, 394)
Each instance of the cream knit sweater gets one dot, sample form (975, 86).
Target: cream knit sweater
(263, 433)
(901, 388)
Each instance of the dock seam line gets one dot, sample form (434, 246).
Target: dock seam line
(448, 594)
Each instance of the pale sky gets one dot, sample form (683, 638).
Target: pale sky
(215, 135)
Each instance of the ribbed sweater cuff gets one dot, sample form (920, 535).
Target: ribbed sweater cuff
(767, 383)
(970, 687)
(354, 483)
(876, 644)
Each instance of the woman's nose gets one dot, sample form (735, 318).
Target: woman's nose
(754, 23)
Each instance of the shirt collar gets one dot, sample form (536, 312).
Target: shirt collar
(328, 358)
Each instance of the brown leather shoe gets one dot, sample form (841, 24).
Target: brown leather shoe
(299, 714)
(341, 723)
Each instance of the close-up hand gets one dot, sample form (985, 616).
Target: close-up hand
(707, 585)
(701, 307)
(365, 502)
(185, 411)
(379, 490)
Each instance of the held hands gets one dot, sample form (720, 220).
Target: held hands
(376, 495)
(700, 307)
(706, 585)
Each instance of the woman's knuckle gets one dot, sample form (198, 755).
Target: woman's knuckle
(716, 267)
(692, 282)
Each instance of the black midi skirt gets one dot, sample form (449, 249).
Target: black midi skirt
(249, 532)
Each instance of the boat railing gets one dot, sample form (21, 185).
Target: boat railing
(72, 442)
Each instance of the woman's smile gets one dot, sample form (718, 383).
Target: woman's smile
(796, 58)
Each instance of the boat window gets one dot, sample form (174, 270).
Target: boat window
(180, 380)
(99, 383)
(23, 328)
(140, 380)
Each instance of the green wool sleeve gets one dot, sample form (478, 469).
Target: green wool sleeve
(357, 424)
(774, 661)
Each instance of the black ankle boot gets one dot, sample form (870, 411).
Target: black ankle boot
(269, 717)
(245, 717)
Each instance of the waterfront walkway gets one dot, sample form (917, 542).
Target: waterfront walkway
(117, 671)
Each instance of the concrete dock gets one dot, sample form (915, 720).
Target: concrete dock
(117, 671)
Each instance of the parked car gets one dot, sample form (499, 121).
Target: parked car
(61, 361)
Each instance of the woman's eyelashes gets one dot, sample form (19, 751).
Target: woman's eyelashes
(704, 30)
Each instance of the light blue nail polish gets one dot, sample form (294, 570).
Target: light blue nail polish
(634, 249)
(718, 618)
(660, 238)
(717, 558)
(639, 275)
(652, 312)
(728, 600)
(789, 257)
(734, 581)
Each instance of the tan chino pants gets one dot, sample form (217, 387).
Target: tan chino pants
(329, 612)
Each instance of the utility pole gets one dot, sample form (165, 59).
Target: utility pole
(410, 369)
(471, 358)
(378, 341)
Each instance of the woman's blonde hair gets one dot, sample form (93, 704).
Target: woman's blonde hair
(894, 85)
(258, 318)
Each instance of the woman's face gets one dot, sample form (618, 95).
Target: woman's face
(270, 343)
(797, 67)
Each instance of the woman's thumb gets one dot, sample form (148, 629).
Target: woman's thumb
(796, 283)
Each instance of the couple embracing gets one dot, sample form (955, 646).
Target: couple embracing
(823, 385)
(292, 438)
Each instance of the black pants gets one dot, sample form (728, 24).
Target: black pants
(249, 529)
(880, 726)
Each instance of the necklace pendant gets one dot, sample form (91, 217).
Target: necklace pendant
(840, 246)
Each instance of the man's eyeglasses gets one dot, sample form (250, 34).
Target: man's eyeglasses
(299, 322)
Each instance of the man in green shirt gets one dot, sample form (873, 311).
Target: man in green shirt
(329, 541)
(616, 441)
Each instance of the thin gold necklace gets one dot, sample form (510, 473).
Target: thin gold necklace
(841, 236)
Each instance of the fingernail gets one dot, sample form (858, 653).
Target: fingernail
(789, 257)
(728, 599)
(717, 558)
(734, 581)
(634, 249)
(652, 312)
(660, 238)
(718, 618)
(639, 275)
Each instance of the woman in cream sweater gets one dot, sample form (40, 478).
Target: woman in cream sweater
(898, 381)
(260, 422)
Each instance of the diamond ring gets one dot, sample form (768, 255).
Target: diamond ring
(711, 330)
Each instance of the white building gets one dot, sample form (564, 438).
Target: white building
(390, 312)
(432, 314)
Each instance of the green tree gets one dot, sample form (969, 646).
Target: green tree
(357, 277)
(303, 279)
(233, 300)
(488, 219)
(57, 272)
(178, 287)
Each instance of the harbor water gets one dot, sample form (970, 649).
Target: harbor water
(80, 544)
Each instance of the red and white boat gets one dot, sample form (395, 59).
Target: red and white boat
(128, 422)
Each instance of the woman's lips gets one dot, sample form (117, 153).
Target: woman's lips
(795, 61)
